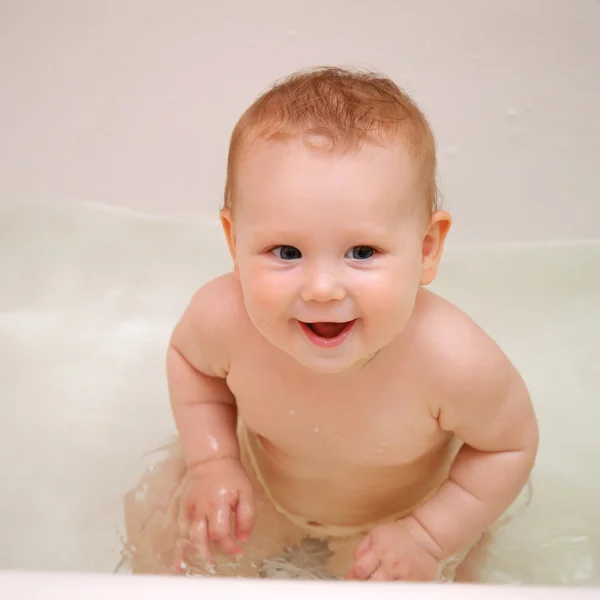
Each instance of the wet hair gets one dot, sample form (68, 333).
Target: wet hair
(346, 107)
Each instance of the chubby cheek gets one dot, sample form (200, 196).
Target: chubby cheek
(265, 299)
(388, 298)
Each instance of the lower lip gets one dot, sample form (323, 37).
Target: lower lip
(326, 342)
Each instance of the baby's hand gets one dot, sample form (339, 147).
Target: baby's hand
(396, 551)
(217, 493)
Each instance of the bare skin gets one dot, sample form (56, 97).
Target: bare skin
(330, 456)
(360, 438)
(333, 451)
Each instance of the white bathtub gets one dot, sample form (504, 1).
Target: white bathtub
(99, 587)
(88, 297)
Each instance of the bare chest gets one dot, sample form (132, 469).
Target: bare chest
(379, 417)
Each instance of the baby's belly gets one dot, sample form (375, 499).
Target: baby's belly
(339, 494)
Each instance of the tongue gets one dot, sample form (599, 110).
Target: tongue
(328, 330)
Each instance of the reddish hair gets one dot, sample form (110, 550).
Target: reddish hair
(349, 107)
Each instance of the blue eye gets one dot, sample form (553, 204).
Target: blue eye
(287, 253)
(361, 252)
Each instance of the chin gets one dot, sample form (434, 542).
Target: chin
(328, 365)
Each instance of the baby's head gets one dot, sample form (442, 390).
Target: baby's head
(331, 214)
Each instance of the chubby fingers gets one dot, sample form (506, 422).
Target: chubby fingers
(220, 530)
(198, 534)
(363, 547)
(365, 566)
(379, 575)
(190, 534)
(244, 517)
(182, 550)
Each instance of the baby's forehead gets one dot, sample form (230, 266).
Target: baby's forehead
(308, 181)
(298, 150)
(289, 172)
(311, 160)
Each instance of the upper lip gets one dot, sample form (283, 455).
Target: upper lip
(326, 321)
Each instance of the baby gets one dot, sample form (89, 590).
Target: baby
(320, 390)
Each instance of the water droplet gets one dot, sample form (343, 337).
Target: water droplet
(513, 112)
(316, 429)
(292, 412)
(213, 444)
(452, 151)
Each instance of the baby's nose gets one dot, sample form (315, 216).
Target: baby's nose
(322, 285)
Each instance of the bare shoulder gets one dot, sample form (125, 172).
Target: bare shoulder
(217, 303)
(479, 395)
(205, 332)
(461, 358)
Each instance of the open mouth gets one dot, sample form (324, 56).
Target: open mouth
(327, 333)
(327, 330)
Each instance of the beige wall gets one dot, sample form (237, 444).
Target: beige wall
(131, 102)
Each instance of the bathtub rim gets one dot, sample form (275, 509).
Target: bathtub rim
(65, 585)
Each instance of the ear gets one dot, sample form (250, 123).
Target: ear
(433, 245)
(229, 229)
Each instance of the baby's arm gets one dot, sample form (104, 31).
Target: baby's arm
(486, 404)
(490, 410)
(205, 413)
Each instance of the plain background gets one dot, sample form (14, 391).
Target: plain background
(131, 102)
